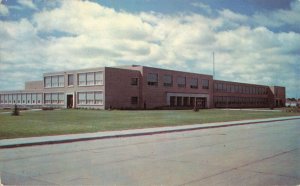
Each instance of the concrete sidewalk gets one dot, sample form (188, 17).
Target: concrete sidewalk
(31, 141)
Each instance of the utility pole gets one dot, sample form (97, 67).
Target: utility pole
(213, 65)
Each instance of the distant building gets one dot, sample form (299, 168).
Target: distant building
(140, 87)
(292, 103)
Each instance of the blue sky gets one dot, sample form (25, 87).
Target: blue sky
(255, 41)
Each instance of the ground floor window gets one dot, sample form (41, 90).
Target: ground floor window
(188, 101)
(134, 100)
(90, 98)
(230, 101)
(54, 98)
(21, 98)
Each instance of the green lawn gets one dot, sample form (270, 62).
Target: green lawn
(41, 123)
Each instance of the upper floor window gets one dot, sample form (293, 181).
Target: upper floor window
(194, 83)
(152, 79)
(70, 79)
(54, 81)
(205, 83)
(134, 81)
(220, 87)
(90, 78)
(98, 78)
(81, 79)
(168, 80)
(227, 88)
(47, 81)
(181, 81)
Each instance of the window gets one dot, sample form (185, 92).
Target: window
(227, 88)
(134, 100)
(70, 79)
(194, 83)
(134, 81)
(54, 99)
(81, 79)
(47, 98)
(91, 78)
(215, 86)
(220, 87)
(181, 81)
(24, 98)
(39, 98)
(33, 96)
(10, 98)
(231, 88)
(19, 98)
(168, 80)
(6, 98)
(98, 78)
(223, 87)
(47, 81)
(54, 81)
(61, 81)
(266, 91)
(236, 88)
(152, 79)
(240, 89)
(28, 97)
(82, 98)
(61, 98)
(98, 98)
(205, 83)
(90, 98)
(2, 99)
(14, 98)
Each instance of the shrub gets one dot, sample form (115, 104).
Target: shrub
(16, 111)
(47, 108)
(196, 109)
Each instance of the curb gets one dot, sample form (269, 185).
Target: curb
(135, 134)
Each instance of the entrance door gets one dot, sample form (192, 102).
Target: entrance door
(69, 101)
(201, 103)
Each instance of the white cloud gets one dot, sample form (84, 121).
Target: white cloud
(93, 35)
(27, 4)
(280, 17)
(3, 9)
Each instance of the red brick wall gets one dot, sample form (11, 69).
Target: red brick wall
(245, 99)
(156, 96)
(118, 88)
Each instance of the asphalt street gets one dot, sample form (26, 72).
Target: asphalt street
(260, 154)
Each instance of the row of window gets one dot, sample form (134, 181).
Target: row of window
(181, 81)
(22, 98)
(84, 98)
(55, 98)
(90, 98)
(84, 79)
(227, 100)
(223, 87)
(91, 78)
(54, 81)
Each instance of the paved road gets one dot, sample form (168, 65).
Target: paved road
(261, 154)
